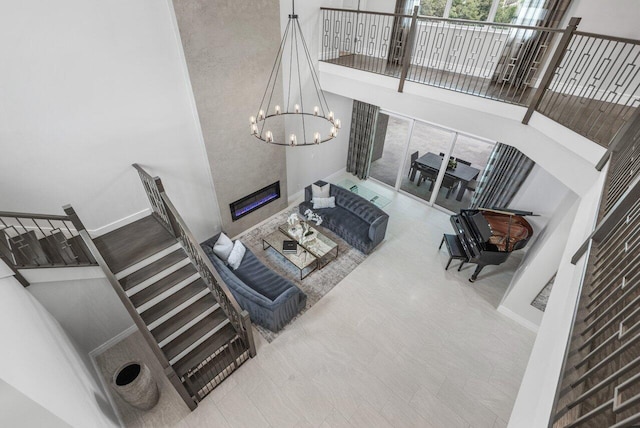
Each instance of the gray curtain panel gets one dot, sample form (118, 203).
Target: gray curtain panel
(501, 179)
(520, 62)
(363, 129)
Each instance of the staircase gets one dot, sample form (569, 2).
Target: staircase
(174, 303)
(178, 301)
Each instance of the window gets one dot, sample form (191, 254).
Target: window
(474, 10)
(503, 11)
(433, 7)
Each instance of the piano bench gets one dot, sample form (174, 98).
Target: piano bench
(455, 250)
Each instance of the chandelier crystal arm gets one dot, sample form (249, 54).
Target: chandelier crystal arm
(275, 66)
(314, 75)
(304, 129)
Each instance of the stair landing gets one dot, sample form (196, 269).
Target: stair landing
(130, 244)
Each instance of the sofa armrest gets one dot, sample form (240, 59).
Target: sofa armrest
(378, 229)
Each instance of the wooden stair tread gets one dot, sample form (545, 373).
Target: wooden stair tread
(162, 285)
(186, 339)
(130, 244)
(183, 317)
(217, 364)
(175, 300)
(147, 272)
(204, 350)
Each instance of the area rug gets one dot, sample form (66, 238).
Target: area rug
(317, 283)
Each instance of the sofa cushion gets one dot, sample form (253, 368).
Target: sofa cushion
(320, 191)
(235, 258)
(222, 247)
(324, 202)
(260, 278)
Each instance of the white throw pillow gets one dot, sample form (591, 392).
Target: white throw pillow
(235, 258)
(223, 247)
(324, 202)
(320, 192)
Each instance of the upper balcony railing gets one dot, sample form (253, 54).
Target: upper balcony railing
(587, 82)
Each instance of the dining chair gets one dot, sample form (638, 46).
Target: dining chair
(449, 183)
(412, 165)
(427, 174)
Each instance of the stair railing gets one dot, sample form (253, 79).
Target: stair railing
(589, 83)
(30, 241)
(164, 208)
(153, 193)
(173, 377)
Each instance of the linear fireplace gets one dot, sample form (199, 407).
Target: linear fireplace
(252, 202)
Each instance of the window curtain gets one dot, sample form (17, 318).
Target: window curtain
(520, 62)
(363, 129)
(501, 179)
(400, 31)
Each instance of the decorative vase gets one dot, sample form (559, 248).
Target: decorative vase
(135, 384)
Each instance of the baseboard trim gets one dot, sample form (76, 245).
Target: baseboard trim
(119, 223)
(77, 273)
(113, 341)
(518, 318)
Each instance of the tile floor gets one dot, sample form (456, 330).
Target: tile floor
(400, 342)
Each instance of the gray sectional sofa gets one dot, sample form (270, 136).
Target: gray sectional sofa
(354, 219)
(271, 300)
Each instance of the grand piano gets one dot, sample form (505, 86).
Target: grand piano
(488, 236)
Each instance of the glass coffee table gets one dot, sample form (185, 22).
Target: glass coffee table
(312, 253)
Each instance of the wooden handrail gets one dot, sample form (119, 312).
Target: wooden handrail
(34, 216)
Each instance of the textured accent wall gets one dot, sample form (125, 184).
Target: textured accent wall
(229, 48)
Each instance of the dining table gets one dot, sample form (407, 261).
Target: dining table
(462, 173)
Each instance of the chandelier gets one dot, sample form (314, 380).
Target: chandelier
(308, 127)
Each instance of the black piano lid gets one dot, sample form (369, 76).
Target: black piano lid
(482, 225)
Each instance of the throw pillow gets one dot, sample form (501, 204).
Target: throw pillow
(235, 258)
(320, 192)
(223, 246)
(324, 202)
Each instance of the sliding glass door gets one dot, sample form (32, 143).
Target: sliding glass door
(389, 146)
(435, 164)
(423, 159)
(468, 159)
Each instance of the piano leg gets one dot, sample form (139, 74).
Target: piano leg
(475, 273)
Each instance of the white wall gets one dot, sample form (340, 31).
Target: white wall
(542, 194)
(40, 361)
(18, 410)
(87, 88)
(539, 264)
(614, 18)
(88, 309)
